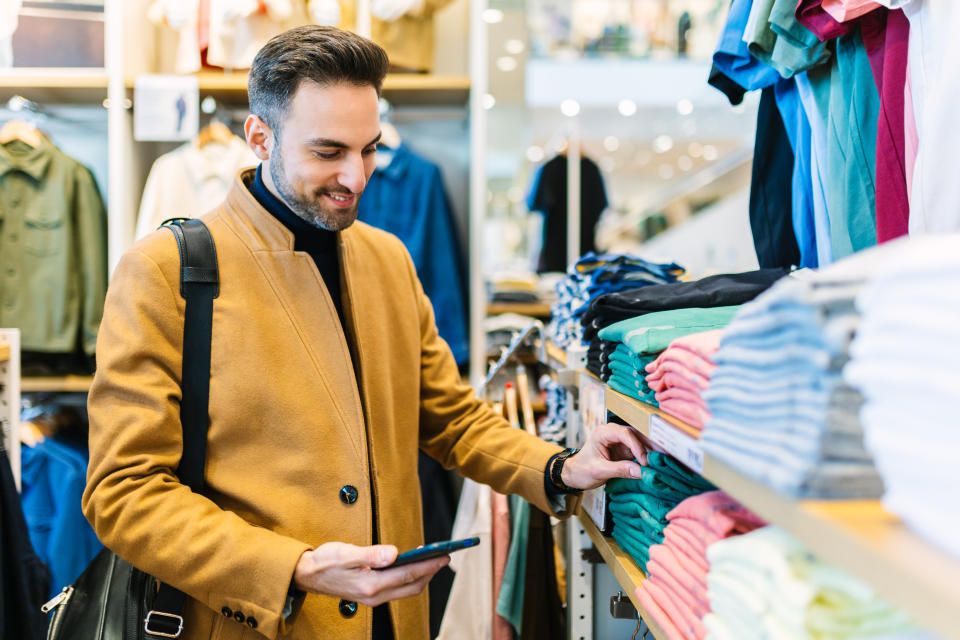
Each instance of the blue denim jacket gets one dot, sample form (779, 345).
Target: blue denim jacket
(407, 198)
(53, 476)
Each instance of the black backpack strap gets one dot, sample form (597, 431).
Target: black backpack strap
(199, 285)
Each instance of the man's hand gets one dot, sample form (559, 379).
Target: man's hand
(608, 453)
(349, 572)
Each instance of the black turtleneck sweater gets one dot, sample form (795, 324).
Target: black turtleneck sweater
(319, 243)
(322, 245)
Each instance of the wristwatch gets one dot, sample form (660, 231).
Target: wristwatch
(556, 468)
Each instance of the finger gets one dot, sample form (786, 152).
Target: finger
(620, 469)
(399, 576)
(398, 593)
(616, 433)
(378, 555)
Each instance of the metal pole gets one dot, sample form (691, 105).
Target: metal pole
(573, 192)
(478, 188)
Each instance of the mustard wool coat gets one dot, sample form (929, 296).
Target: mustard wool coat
(290, 424)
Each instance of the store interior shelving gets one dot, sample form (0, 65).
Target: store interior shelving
(533, 309)
(406, 89)
(56, 384)
(623, 567)
(4, 352)
(859, 536)
(54, 86)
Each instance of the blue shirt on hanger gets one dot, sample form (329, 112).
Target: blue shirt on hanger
(407, 199)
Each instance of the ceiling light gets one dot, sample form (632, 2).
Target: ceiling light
(611, 143)
(662, 143)
(514, 47)
(570, 108)
(695, 149)
(627, 107)
(506, 63)
(684, 163)
(535, 153)
(710, 153)
(684, 107)
(492, 16)
(488, 101)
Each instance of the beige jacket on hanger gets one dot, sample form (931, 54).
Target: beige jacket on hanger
(409, 40)
(291, 424)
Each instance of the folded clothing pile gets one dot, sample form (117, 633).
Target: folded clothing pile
(765, 584)
(640, 340)
(904, 360)
(675, 592)
(681, 373)
(639, 507)
(553, 427)
(778, 409)
(598, 357)
(713, 291)
(595, 275)
(513, 286)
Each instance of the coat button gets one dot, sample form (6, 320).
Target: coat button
(348, 608)
(227, 612)
(239, 617)
(348, 494)
(252, 622)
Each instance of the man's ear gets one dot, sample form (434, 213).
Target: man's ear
(259, 136)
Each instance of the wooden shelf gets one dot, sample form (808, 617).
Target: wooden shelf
(557, 357)
(404, 89)
(534, 309)
(624, 569)
(54, 86)
(56, 384)
(4, 352)
(859, 536)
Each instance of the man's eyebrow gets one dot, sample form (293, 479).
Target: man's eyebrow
(336, 144)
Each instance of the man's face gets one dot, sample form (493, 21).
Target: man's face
(325, 152)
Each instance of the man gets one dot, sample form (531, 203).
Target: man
(327, 375)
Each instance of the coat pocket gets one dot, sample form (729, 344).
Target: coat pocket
(43, 236)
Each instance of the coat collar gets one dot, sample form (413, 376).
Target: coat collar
(19, 156)
(258, 227)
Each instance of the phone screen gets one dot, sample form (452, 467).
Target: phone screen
(434, 550)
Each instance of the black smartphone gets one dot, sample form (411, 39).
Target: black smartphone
(434, 550)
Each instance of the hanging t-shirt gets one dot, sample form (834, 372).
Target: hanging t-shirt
(797, 127)
(810, 13)
(549, 196)
(886, 35)
(934, 49)
(815, 106)
(780, 41)
(846, 10)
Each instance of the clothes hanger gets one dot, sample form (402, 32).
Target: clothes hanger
(215, 132)
(23, 131)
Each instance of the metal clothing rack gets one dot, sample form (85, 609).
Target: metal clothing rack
(10, 398)
(519, 338)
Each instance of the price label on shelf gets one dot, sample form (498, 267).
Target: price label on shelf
(593, 413)
(677, 443)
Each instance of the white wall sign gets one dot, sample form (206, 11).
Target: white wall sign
(166, 107)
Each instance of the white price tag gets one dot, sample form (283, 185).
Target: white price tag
(166, 107)
(593, 405)
(675, 442)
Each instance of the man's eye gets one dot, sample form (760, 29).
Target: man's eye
(367, 152)
(327, 156)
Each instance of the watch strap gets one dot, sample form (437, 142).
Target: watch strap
(556, 470)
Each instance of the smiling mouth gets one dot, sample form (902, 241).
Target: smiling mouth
(342, 199)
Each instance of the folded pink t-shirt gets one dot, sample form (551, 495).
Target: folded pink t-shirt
(683, 542)
(666, 578)
(682, 617)
(694, 414)
(684, 570)
(659, 615)
(723, 515)
(673, 375)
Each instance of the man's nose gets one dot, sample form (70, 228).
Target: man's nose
(353, 176)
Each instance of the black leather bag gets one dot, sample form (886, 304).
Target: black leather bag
(112, 600)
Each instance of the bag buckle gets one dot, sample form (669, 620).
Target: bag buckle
(164, 618)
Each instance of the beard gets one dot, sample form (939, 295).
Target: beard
(312, 209)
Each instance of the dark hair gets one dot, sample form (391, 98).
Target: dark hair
(324, 55)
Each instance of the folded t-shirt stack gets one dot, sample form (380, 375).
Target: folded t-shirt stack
(778, 409)
(641, 339)
(765, 584)
(598, 357)
(553, 427)
(681, 374)
(714, 291)
(595, 275)
(904, 360)
(639, 507)
(675, 592)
